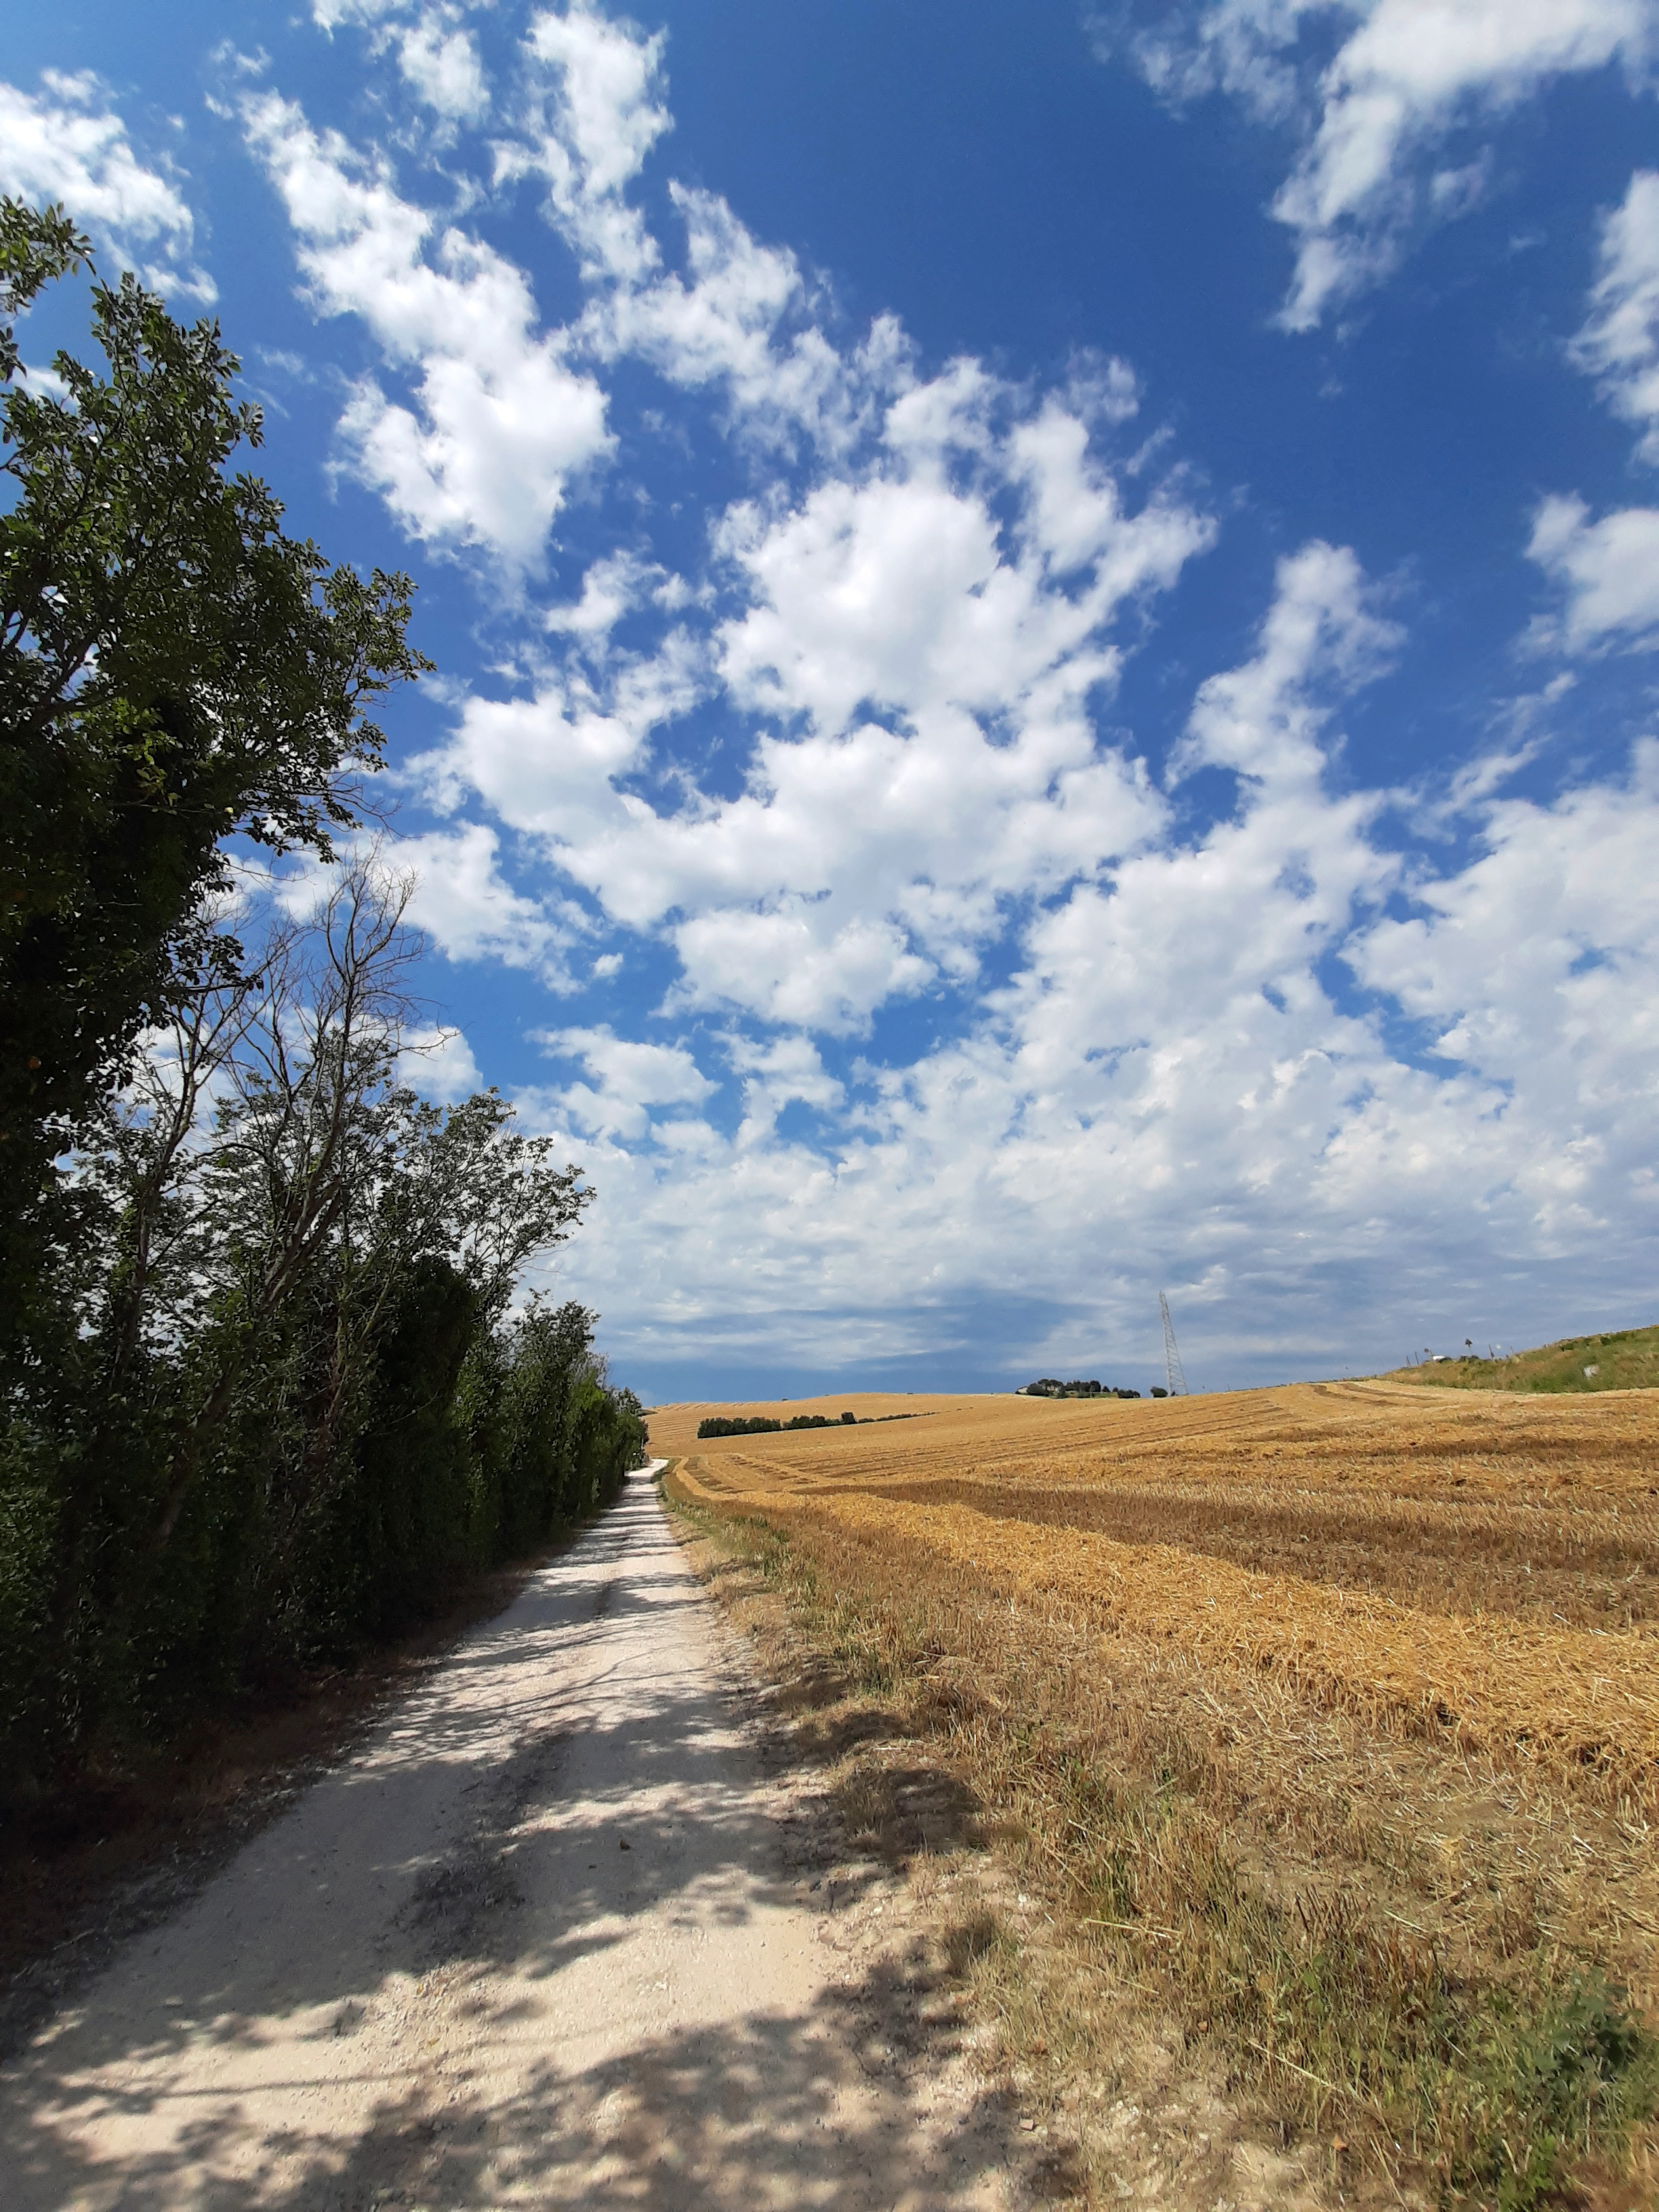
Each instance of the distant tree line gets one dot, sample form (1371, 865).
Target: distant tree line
(264, 1387)
(1049, 1386)
(762, 1424)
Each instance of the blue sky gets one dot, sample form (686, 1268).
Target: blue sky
(1045, 621)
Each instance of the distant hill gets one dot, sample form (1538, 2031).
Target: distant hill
(1623, 1359)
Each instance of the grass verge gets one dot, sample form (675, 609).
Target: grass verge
(1384, 1956)
(1619, 1360)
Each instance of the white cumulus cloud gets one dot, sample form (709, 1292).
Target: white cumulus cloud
(1609, 571)
(1310, 1051)
(466, 907)
(1170, 1091)
(598, 113)
(67, 144)
(438, 1062)
(928, 649)
(501, 420)
(626, 1080)
(440, 62)
(741, 319)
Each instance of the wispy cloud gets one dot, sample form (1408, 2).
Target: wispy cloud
(1619, 342)
(1408, 81)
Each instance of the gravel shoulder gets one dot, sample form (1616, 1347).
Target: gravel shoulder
(560, 1931)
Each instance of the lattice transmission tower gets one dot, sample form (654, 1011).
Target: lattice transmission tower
(1172, 1369)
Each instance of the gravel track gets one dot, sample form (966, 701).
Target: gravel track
(552, 1936)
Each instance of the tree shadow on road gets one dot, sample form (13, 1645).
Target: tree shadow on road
(562, 1819)
(817, 2108)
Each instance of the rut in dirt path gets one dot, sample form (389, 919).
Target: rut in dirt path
(539, 1943)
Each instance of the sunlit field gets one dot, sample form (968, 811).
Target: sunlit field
(1336, 1705)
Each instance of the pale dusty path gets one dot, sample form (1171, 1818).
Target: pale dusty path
(441, 1979)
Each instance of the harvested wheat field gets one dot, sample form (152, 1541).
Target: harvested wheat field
(1330, 1710)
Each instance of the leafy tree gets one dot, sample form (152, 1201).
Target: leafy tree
(295, 1405)
(550, 1356)
(261, 1394)
(173, 668)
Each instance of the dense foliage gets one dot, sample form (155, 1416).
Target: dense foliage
(172, 666)
(263, 1387)
(288, 1403)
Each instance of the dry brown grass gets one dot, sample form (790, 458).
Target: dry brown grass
(1333, 1711)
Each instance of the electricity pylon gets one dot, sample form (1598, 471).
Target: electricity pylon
(1176, 1379)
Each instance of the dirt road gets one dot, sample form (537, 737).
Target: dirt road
(543, 1941)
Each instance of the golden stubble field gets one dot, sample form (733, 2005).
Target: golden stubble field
(1376, 1662)
(1487, 1567)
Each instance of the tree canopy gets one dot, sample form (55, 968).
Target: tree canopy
(266, 1387)
(173, 668)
